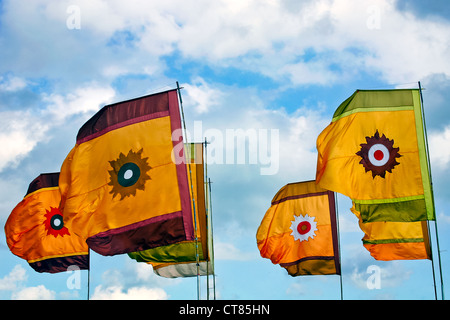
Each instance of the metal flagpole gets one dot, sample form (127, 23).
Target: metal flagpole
(193, 199)
(430, 243)
(212, 241)
(339, 244)
(205, 186)
(209, 225)
(89, 274)
(432, 260)
(432, 192)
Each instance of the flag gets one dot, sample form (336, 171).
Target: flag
(124, 185)
(374, 152)
(395, 240)
(299, 230)
(35, 230)
(180, 259)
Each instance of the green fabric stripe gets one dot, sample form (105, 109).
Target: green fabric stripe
(392, 200)
(376, 99)
(403, 211)
(190, 151)
(379, 109)
(423, 157)
(178, 252)
(385, 241)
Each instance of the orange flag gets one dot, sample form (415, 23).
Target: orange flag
(299, 230)
(35, 230)
(122, 188)
(387, 240)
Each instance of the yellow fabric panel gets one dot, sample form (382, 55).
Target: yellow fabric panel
(94, 190)
(339, 168)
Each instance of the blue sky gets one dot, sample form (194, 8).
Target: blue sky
(266, 67)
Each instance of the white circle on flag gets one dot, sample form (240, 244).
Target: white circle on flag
(57, 222)
(303, 227)
(378, 155)
(128, 174)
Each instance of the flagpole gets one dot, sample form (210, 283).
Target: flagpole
(339, 244)
(430, 243)
(432, 194)
(209, 241)
(212, 240)
(192, 196)
(205, 186)
(89, 274)
(432, 260)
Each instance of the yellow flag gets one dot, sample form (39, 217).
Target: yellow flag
(124, 185)
(180, 259)
(395, 240)
(35, 230)
(373, 151)
(299, 230)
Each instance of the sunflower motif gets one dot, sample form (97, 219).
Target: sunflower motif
(128, 174)
(54, 223)
(378, 155)
(303, 227)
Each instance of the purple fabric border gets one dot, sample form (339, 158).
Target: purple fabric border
(139, 224)
(44, 180)
(156, 232)
(183, 184)
(306, 259)
(61, 264)
(121, 112)
(124, 124)
(300, 196)
(334, 233)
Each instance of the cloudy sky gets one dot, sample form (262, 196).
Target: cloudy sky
(276, 69)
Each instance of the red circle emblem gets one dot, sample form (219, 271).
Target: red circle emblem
(304, 227)
(378, 155)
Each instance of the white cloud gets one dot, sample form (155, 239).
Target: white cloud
(228, 251)
(309, 73)
(298, 136)
(14, 282)
(135, 293)
(19, 133)
(392, 275)
(12, 83)
(401, 47)
(11, 281)
(348, 223)
(143, 271)
(439, 144)
(318, 42)
(274, 138)
(88, 98)
(34, 293)
(200, 95)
